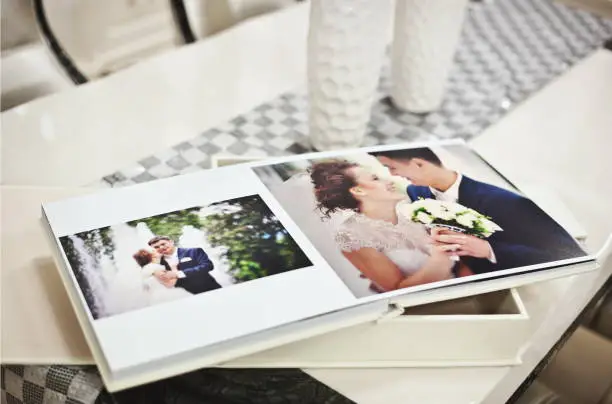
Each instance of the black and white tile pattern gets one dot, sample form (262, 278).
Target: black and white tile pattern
(509, 49)
(50, 384)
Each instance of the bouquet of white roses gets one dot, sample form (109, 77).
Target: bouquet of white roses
(453, 216)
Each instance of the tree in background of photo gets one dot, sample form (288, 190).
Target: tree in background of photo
(90, 243)
(172, 224)
(257, 244)
(252, 241)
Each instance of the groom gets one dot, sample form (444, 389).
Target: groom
(529, 235)
(187, 268)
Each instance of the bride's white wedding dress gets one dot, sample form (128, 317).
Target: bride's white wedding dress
(156, 291)
(404, 243)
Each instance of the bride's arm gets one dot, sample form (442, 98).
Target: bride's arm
(376, 267)
(438, 267)
(149, 269)
(381, 270)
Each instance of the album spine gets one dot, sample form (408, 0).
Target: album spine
(73, 295)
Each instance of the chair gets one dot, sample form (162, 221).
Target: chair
(67, 63)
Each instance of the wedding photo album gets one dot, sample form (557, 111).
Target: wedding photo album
(246, 257)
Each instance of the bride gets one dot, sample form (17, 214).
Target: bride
(385, 246)
(157, 292)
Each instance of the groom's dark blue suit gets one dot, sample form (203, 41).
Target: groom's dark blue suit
(529, 235)
(196, 266)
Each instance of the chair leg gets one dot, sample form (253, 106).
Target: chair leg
(182, 20)
(53, 44)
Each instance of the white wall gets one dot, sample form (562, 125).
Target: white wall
(456, 158)
(461, 159)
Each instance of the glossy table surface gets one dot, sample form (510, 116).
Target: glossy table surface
(562, 134)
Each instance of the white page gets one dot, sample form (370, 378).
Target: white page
(156, 332)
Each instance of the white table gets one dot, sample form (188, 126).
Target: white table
(564, 133)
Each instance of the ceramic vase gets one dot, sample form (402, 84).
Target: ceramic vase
(425, 37)
(346, 50)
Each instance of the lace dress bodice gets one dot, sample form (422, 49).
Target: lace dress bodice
(404, 243)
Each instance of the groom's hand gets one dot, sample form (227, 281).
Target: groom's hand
(471, 246)
(165, 278)
(170, 283)
(159, 274)
(169, 275)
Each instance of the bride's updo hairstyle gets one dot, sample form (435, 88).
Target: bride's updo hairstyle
(143, 257)
(332, 184)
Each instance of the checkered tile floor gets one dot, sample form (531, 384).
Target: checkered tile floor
(509, 49)
(49, 385)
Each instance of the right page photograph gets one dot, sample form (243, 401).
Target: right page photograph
(391, 219)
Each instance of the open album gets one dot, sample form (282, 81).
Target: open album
(199, 269)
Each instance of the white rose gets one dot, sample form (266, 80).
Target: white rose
(456, 207)
(437, 209)
(446, 215)
(432, 203)
(419, 203)
(466, 220)
(490, 226)
(434, 207)
(424, 218)
(442, 212)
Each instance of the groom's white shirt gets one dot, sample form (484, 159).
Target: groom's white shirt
(173, 260)
(452, 195)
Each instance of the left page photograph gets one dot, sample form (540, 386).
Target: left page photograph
(163, 269)
(179, 254)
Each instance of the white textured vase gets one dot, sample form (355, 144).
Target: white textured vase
(346, 48)
(426, 34)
